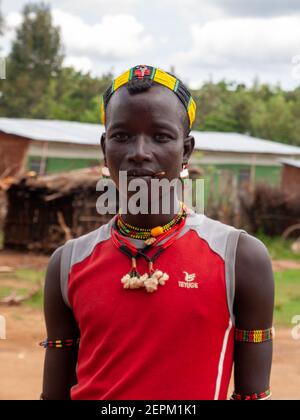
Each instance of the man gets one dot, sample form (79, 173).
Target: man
(163, 304)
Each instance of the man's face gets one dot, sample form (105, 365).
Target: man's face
(145, 134)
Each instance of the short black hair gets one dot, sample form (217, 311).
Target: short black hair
(136, 85)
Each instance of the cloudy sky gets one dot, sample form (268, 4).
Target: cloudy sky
(202, 39)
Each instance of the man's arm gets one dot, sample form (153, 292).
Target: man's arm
(60, 363)
(253, 308)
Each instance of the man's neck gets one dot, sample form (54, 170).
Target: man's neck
(151, 220)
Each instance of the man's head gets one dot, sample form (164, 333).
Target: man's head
(147, 130)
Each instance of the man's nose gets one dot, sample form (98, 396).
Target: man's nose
(140, 150)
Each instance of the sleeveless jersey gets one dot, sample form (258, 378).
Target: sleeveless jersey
(174, 344)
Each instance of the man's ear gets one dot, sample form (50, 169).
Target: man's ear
(103, 137)
(188, 147)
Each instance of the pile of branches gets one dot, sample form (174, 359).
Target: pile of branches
(269, 210)
(44, 212)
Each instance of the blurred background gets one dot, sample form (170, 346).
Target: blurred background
(242, 62)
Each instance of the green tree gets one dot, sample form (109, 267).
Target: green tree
(36, 57)
(215, 110)
(261, 110)
(273, 119)
(72, 96)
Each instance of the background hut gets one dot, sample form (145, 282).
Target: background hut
(43, 212)
(290, 177)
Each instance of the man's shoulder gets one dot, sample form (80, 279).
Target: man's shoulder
(252, 251)
(254, 283)
(215, 233)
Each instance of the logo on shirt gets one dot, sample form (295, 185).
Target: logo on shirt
(188, 281)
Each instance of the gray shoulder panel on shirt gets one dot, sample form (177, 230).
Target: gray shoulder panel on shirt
(65, 264)
(84, 245)
(223, 240)
(211, 231)
(77, 250)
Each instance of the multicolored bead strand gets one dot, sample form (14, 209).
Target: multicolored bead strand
(266, 395)
(146, 234)
(57, 344)
(254, 336)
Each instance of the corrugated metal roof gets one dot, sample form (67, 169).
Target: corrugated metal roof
(240, 143)
(89, 134)
(290, 162)
(53, 130)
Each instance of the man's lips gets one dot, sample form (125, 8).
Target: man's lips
(143, 173)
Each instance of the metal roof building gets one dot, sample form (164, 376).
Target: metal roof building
(74, 140)
(53, 130)
(84, 134)
(290, 162)
(241, 143)
(290, 177)
(89, 135)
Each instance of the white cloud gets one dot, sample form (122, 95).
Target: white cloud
(164, 40)
(205, 10)
(98, 7)
(82, 63)
(116, 37)
(258, 7)
(89, 10)
(243, 42)
(12, 21)
(194, 11)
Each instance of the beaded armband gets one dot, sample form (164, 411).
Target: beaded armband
(254, 336)
(252, 397)
(58, 344)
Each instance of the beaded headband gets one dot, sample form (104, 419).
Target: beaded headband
(157, 75)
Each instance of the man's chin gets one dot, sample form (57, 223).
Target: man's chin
(148, 204)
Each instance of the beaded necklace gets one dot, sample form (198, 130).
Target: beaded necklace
(149, 235)
(154, 277)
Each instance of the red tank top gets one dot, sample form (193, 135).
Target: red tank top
(174, 344)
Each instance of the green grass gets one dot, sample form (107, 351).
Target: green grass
(5, 291)
(287, 296)
(30, 275)
(30, 278)
(36, 301)
(26, 275)
(36, 277)
(279, 249)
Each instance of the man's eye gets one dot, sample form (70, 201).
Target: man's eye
(120, 136)
(162, 137)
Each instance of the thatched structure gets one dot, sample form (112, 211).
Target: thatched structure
(43, 212)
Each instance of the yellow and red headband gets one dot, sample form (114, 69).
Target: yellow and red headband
(157, 75)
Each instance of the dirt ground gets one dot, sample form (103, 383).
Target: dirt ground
(21, 359)
(281, 265)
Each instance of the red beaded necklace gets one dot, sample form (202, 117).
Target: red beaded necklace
(154, 277)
